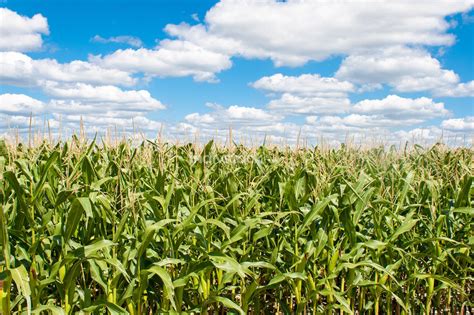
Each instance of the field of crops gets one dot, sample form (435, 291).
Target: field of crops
(157, 228)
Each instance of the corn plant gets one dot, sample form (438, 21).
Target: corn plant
(159, 228)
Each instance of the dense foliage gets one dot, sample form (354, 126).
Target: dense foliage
(162, 228)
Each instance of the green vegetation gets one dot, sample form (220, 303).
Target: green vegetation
(159, 228)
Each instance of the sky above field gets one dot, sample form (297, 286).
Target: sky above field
(321, 70)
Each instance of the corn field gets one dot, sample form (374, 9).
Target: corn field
(92, 228)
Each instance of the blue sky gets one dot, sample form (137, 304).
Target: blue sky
(328, 69)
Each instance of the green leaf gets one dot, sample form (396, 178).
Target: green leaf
(286, 276)
(219, 224)
(343, 304)
(114, 309)
(406, 226)
(3, 148)
(315, 211)
(150, 232)
(444, 280)
(229, 264)
(48, 309)
(224, 301)
(463, 196)
(22, 280)
(375, 244)
(167, 281)
(96, 246)
(78, 207)
(39, 186)
(465, 210)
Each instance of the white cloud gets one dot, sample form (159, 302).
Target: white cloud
(459, 90)
(75, 93)
(246, 123)
(306, 94)
(19, 122)
(293, 104)
(267, 29)
(311, 119)
(422, 136)
(388, 113)
(431, 135)
(98, 107)
(198, 35)
(294, 32)
(305, 84)
(396, 66)
(20, 69)
(98, 124)
(20, 104)
(105, 110)
(356, 122)
(465, 124)
(257, 124)
(405, 69)
(200, 118)
(170, 59)
(399, 108)
(123, 39)
(66, 125)
(65, 117)
(126, 100)
(232, 116)
(21, 33)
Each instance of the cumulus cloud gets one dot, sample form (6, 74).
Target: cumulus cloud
(458, 90)
(431, 135)
(356, 122)
(323, 28)
(170, 59)
(133, 100)
(20, 69)
(428, 136)
(294, 104)
(122, 39)
(66, 116)
(199, 35)
(380, 114)
(405, 69)
(305, 84)
(222, 117)
(366, 119)
(17, 122)
(99, 124)
(21, 33)
(399, 108)
(21, 114)
(76, 89)
(98, 107)
(306, 94)
(465, 124)
(248, 123)
(20, 104)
